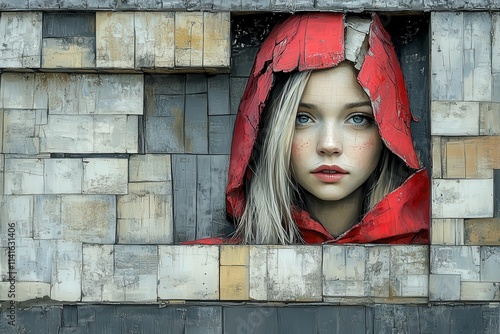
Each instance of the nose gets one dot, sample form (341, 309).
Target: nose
(330, 141)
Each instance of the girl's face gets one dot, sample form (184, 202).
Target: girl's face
(336, 145)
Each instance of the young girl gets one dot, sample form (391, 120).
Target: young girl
(322, 149)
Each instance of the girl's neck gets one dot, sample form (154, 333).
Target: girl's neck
(337, 216)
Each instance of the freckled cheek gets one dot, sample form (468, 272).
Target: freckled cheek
(300, 148)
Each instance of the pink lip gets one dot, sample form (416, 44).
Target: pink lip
(324, 173)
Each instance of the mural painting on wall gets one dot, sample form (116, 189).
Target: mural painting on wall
(322, 150)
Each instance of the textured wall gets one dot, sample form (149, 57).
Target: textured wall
(116, 147)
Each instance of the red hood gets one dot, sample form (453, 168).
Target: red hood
(294, 45)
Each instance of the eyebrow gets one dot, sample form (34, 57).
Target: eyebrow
(347, 106)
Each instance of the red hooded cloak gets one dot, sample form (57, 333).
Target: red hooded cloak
(315, 41)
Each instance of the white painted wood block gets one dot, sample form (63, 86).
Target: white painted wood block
(356, 40)
(67, 134)
(35, 259)
(477, 56)
(189, 39)
(216, 39)
(447, 56)
(138, 266)
(17, 210)
(145, 214)
(2, 167)
(25, 290)
(489, 118)
(344, 271)
(89, 134)
(21, 39)
(115, 40)
(89, 218)
(480, 291)
(67, 275)
(443, 287)
(116, 134)
(456, 260)
(490, 264)
(154, 39)
(105, 176)
(454, 118)
(24, 176)
(120, 94)
(188, 272)
(47, 217)
(447, 231)
(495, 47)
(409, 260)
(19, 135)
(150, 167)
(68, 52)
(466, 198)
(377, 269)
(410, 286)
(294, 273)
(63, 176)
(258, 276)
(97, 271)
(17, 90)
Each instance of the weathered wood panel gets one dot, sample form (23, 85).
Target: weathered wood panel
(69, 52)
(196, 124)
(197, 84)
(216, 39)
(189, 39)
(293, 273)
(21, 39)
(89, 218)
(447, 231)
(454, 118)
(16, 210)
(137, 266)
(218, 95)
(184, 185)
(470, 198)
(63, 176)
(68, 25)
(444, 287)
(24, 176)
(35, 259)
(97, 269)
(456, 260)
(145, 214)
(105, 176)
(67, 277)
(477, 56)
(480, 291)
(150, 167)
(19, 135)
(489, 119)
(484, 231)
(17, 90)
(154, 40)
(447, 56)
(115, 40)
(175, 273)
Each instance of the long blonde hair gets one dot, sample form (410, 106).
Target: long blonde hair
(271, 191)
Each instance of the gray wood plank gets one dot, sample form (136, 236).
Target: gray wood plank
(242, 60)
(251, 320)
(298, 320)
(466, 319)
(184, 169)
(68, 25)
(342, 320)
(496, 193)
(196, 83)
(70, 316)
(237, 88)
(218, 95)
(219, 165)
(220, 130)
(196, 124)
(203, 198)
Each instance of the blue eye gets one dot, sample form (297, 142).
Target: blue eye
(302, 119)
(360, 120)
